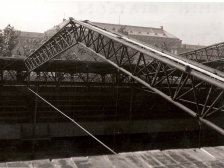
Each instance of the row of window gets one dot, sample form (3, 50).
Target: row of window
(130, 31)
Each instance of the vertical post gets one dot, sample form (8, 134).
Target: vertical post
(87, 77)
(130, 113)
(115, 131)
(103, 78)
(131, 104)
(117, 92)
(1, 81)
(28, 77)
(34, 122)
(1, 77)
(57, 79)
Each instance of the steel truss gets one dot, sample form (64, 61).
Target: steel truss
(193, 87)
(61, 72)
(12, 77)
(212, 55)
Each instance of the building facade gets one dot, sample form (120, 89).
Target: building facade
(155, 36)
(158, 37)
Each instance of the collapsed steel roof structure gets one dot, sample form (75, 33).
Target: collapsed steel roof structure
(212, 56)
(178, 80)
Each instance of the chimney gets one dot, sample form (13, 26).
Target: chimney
(161, 27)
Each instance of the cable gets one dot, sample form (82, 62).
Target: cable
(72, 121)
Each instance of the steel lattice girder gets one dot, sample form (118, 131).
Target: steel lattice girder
(178, 80)
(61, 78)
(68, 66)
(66, 71)
(212, 55)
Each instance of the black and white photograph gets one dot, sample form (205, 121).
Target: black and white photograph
(111, 84)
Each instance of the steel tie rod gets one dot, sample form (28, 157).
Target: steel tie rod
(72, 120)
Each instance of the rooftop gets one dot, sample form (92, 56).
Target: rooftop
(176, 158)
(138, 30)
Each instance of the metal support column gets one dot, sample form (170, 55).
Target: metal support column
(34, 122)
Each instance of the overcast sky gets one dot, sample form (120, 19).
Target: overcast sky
(194, 23)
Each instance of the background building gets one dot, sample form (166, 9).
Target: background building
(188, 47)
(28, 41)
(154, 36)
